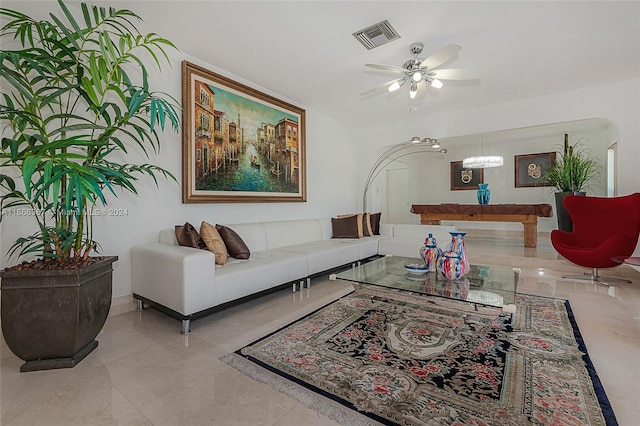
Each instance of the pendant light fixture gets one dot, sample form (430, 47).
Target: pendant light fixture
(482, 161)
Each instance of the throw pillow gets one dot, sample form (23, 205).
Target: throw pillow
(375, 223)
(235, 246)
(214, 242)
(346, 227)
(364, 225)
(188, 236)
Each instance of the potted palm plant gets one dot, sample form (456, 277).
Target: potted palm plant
(75, 99)
(570, 174)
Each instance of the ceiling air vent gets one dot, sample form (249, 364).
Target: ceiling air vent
(377, 35)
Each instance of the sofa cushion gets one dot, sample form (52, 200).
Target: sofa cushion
(290, 232)
(214, 242)
(408, 239)
(418, 233)
(235, 245)
(188, 236)
(253, 235)
(265, 269)
(327, 254)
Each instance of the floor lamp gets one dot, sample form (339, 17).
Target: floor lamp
(413, 146)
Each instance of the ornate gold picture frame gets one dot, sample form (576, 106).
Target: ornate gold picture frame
(239, 144)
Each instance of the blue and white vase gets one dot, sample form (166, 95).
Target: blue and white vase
(484, 193)
(454, 264)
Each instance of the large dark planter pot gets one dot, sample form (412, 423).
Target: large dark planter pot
(50, 318)
(564, 220)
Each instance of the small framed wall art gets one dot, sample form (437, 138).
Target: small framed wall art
(530, 169)
(462, 178)
(239, 144)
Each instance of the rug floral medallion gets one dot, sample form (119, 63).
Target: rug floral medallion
(419, 360)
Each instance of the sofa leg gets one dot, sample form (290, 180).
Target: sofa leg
(185, 326)
(308, 282)
(140, 305)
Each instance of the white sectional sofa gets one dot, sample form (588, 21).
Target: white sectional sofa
(186, 283)
(406, 240)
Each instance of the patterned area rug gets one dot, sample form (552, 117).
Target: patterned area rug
(412, 360)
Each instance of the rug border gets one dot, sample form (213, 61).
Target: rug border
(306, 395)
(279, 381)
(605, 404)
(302, 383)
(281, 378)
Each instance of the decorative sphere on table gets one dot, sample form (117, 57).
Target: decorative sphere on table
(430, 253)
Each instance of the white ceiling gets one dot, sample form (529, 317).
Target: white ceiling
(305, 51)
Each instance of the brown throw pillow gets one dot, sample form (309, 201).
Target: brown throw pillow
(235, 246)
(374, 218)
(214, 242)
(364, 227)
(346, 227)
(188, 236)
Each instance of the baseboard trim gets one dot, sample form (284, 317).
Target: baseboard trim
(122, 305)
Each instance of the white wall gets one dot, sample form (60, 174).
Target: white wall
(330, 189)
(617, 102)
(337, 166)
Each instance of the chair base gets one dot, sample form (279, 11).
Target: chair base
(595, 277)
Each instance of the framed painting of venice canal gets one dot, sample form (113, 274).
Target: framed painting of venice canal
(239, 144)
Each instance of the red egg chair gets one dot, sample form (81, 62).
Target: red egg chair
(603, 228)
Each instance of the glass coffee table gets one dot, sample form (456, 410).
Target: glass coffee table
(483, 285)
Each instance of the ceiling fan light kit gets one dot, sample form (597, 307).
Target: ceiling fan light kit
(424, 70)
(395, 86)
(413, 91)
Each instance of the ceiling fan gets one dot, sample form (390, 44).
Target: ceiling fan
(418, 70)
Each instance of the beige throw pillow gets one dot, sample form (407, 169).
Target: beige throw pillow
(214, 242)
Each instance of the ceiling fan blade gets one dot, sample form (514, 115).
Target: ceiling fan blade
(441, 56)
(384, 67)
(380, 87)
(455, 74)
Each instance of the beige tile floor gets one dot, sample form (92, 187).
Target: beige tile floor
(145, 372)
